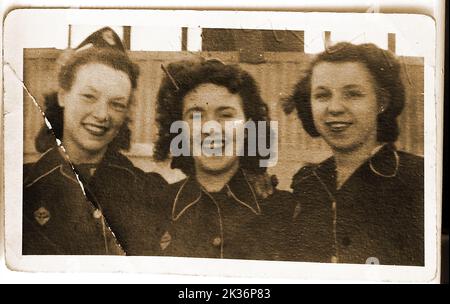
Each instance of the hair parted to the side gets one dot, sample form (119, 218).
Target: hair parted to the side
(184, 76)
(66, 76)
(385, 70)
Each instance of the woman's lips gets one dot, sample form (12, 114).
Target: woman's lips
(96, 130)
(338, 126)
(214, 144)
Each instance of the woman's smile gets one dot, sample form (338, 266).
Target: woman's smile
(338, 126)
(213, 144)
(97, 130)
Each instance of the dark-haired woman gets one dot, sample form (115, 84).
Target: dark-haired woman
(227, 207)
(364, 204)
(84, 197)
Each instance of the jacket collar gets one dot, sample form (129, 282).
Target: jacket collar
(383, 163)
(238, 189)
(115, 159)
(54, 159)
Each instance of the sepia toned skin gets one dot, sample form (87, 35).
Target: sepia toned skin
(345, 108)
(95, 108)
(214, 103)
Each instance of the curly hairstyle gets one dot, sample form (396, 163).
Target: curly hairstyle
(184, 76)
(385, 70)
(67, 73)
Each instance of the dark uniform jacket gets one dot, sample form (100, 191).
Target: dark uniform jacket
(235, 223)
(105, 215)
(377, 216)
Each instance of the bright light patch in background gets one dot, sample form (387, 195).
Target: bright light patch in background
(155, 38)
(409, 44)
(194, 39)
(378, 38)
(48, 35)
(81, 32)
(314, 41)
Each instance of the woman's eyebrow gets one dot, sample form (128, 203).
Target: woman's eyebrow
(225, 108)
(92, 88)
(352, 86)
(194, 109)
(320, 88)
(117, 98)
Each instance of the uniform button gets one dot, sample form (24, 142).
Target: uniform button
(373, 261)
(97, 214)
(217, 241)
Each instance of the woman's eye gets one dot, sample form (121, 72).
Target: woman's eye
(118, 106)
(354, 94)
(226, 115)
(321, 95)
(194, 114)
(88, 97)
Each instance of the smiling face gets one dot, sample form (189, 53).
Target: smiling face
(215, 103)
(95, 107)
(344, 105)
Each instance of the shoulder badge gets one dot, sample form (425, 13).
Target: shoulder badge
(42, 216)
(165, 240)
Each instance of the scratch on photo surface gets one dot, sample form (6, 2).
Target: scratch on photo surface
(406, 71)
(58, 141)
(47, 123)
(172, 80)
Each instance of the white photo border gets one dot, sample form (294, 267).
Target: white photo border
(13, 135)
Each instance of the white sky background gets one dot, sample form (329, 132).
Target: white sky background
(155, 38)
(79, 33)
(53, 33)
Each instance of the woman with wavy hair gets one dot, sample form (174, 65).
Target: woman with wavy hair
(83, 196)
(227, 207)
(366, 202)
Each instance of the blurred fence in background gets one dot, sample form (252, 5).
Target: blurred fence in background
(276, 77)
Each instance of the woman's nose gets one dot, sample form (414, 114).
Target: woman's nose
(335, 105)
(212, 126)
(101, 110)
(208, 116)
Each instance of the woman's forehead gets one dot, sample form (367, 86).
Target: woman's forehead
(336, 74)
(102, 77)
(211, 96)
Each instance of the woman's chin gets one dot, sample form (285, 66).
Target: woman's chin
(215, 164)
(345, 147)
(94, 147)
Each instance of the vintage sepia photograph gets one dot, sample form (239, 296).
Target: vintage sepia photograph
(280, 144)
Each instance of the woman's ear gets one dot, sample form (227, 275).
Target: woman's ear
(61, 97)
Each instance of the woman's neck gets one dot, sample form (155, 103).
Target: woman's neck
(348, 161)
(80, 156)
(215, 182)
